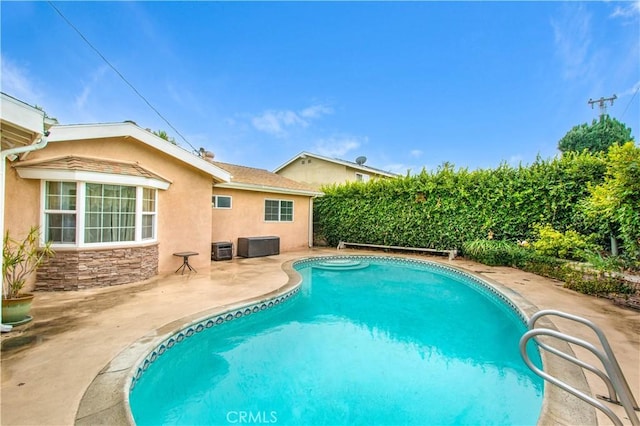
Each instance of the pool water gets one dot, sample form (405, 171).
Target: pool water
(389, 343)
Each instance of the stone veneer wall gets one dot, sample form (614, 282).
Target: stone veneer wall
(81, 269)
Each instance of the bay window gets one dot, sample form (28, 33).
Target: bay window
(86, 214)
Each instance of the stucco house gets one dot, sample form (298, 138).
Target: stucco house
(257, 202)
(118, 201)
(317, 170)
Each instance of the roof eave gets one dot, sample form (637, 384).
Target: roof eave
(64, 133)
(266, 188)
(369, 170)
(21, 124)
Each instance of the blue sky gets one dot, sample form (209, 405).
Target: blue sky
(406, 84)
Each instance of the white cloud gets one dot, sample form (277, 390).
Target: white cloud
(81, 101)
(316, 111)
(630, 10)
(276, 122)
(416, 153)
(572, 35)
(338, 146)
(15, 81)
(631, 91)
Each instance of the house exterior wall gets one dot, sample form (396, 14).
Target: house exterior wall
(183, 211)
(246, 219)
(317, 172)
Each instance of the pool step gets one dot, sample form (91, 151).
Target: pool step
(341, 264)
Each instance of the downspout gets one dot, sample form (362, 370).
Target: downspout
(310, 242)
(3, 159)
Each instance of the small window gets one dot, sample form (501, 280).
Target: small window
(361, 177)
(148, 213)
(278, 211)
(60, 212)
(221, 201)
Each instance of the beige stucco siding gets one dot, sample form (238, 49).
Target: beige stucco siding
(184, 210)
(246, 219)
(21, 204)
(316, 173)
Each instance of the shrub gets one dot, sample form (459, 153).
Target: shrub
(597, 285)
(495, 252)
(568, 245)
(583, 279)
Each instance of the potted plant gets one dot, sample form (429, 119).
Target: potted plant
(19, 260)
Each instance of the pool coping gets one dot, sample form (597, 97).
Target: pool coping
(106, 399)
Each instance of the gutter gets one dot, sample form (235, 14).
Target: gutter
(3, 159)
(271, 189)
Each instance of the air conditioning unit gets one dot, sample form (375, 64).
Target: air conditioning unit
(222, 250)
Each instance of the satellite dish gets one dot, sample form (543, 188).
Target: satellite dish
(361, 160)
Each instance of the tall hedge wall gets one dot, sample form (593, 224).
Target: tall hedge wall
(442, 209)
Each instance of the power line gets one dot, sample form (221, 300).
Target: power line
(120, 75)
(632, 98)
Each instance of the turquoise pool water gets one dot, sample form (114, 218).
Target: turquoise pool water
(373, 342)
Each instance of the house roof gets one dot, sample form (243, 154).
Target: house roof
(86, 168)
(353, 165)
(20, 124)
(76, 132)
(252, 179)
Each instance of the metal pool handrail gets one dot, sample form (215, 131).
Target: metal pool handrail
(615, 380)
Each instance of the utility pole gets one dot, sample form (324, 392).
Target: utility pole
(602, 103)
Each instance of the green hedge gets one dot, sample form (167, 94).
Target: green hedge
(579, 277)
(445, 208)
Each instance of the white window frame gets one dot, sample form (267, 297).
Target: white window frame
(280, 201)
(214, 201)
(143, 213)
(47, 212)
(362, 177)
(81, 211)
(118, 229)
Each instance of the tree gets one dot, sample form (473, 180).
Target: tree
(616, 202)
(597, 137)
(163, 135)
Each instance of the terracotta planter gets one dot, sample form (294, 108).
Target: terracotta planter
(16, 310)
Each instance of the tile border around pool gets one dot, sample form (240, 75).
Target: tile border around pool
(213, 321)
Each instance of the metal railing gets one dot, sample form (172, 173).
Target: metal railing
(617, 386)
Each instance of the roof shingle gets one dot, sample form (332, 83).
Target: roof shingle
(88, 164)
(261, 177)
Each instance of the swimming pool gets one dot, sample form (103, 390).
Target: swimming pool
(369, 341)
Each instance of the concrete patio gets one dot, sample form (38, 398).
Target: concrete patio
(48, 364)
